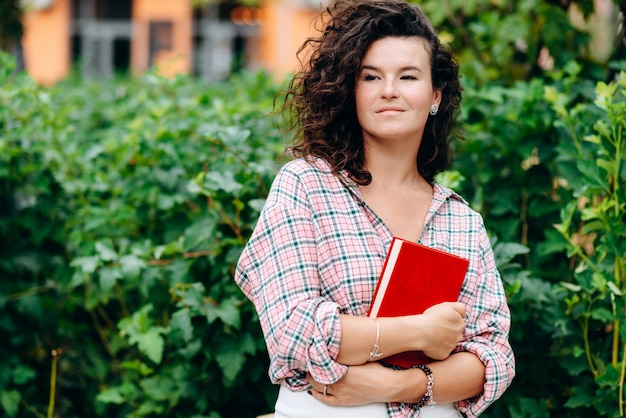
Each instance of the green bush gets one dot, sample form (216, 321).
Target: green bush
(592, 164)
(124, 206)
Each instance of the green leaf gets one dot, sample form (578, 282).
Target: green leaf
(529, 407)
(178, 271)
(93, 152)
(166, 201)
(578, 351)
(10, 401)
(159, 388)
(111, 395)
(233, 254)
(594, 139)
(257, 204)
(227, 311)
(598, 282)
(131, 266)
(139, 330)
(87, 264)
(167, 178)
(201, 230)
(181, 320)
(247, 344)
(221, 181)
(234, 134)
(138, 366)
(606, 165)
(23, 374)
(602, 314)
(592, 175)
(108, 277)
(554, 243)
(149, 409)
(591, 225)
(174, 247)
(149, 278)
(570, 286)
(580, 397)
(507, 251)
(151, 343)
(231, 362)
(191, 295)
(614, 289)
(575, 364)
(105, 251)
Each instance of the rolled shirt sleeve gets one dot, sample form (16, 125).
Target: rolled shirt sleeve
(279, 272)
(488, 325)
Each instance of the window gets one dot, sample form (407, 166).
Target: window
(161, 34)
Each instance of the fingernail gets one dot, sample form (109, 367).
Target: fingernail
(309, 392)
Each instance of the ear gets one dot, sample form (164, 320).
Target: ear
(437, 96)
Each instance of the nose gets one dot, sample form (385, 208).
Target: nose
(389, 89)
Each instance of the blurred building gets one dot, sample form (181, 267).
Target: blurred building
(104, 37)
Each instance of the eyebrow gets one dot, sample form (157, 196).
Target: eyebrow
(407, 68)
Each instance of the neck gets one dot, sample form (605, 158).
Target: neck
(393, 169)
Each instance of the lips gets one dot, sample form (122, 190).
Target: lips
(389, 109)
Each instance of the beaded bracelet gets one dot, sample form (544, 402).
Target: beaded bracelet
(427, 399)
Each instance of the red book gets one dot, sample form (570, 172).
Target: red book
(414, 278)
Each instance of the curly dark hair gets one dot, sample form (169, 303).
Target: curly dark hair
(319, 102)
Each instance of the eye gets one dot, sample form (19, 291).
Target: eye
(408, 77)
(369, 77)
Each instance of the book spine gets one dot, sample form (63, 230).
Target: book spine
(388, 267)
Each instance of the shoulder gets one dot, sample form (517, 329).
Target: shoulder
(447, 196)
(310, 173)
(300, 179)
(456, 209)
(463, 226)
(304, 167)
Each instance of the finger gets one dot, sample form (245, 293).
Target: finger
(460, 308)
(328, 399)
(314, 383)
(323, 389)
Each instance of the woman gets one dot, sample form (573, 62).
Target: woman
(373, 109)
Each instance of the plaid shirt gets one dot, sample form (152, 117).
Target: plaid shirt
(317, 251)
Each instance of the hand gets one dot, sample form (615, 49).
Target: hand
(360, 386)
(443, 328)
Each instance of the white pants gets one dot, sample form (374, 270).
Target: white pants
(302, 405)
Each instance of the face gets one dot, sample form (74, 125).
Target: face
(394, 90)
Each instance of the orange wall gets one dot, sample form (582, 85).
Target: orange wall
(179, 12)
(46, 42)
(285, 26)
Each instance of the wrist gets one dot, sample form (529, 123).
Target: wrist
(427, 398)
(413, 392)
(408, 331)
(420, 393)
(413, 327)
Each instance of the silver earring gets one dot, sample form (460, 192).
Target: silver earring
(434, 109)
